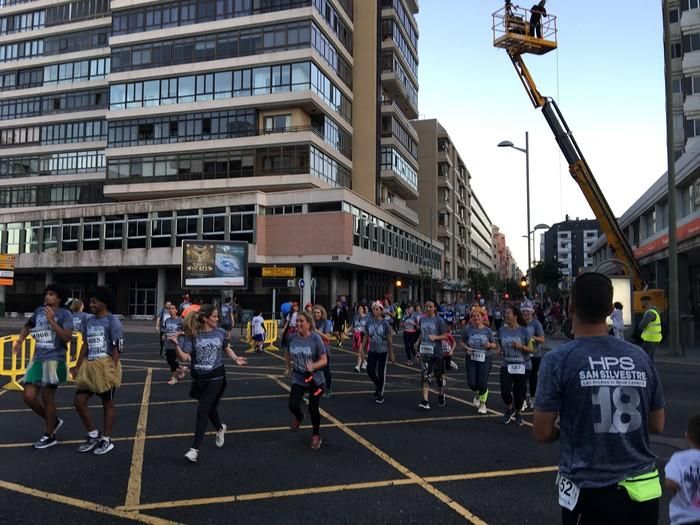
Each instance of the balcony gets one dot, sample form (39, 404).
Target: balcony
(691, 61)
(444, 157)
(444, 231)
(690, 20)
(402, 211)
(398, 184)
(444, 182)
(691, 105)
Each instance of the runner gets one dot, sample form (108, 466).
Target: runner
(160, 323)
(608, 398)
(79, 316)
(323, 328)
(357, 329)
(448, 347)
(339, 317)
(305, 358)
(51, 327)
(515, 369)
(433, 331)
(227, 317)
(535, 342)
(172, 328)
(410, 334)
(203, 345)
(449, 316)
(378, 340)
(98, 370)
(257, 324)
(478, 339)
(290, 324)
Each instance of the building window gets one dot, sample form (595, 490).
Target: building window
(676, 50)
(278, 123)
(689, 4)
(674, 15)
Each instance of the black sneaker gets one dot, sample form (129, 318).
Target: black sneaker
(441, 400)
(89, 445)
(103, 447)
(46, 441)
(508, 416)
(380, 399)
(424, 405)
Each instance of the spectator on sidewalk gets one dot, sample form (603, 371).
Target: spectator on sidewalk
(650, 326)
(618, 325)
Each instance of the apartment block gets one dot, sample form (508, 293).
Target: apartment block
(129, 126)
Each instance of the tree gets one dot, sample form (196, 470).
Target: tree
(547, 273)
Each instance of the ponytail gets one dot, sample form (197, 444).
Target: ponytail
(194, 320)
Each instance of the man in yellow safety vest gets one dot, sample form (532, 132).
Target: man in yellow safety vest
(650, 326)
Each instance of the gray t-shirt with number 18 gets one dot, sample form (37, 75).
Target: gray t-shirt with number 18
(603, 389)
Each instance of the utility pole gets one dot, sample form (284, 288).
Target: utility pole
(674, 317)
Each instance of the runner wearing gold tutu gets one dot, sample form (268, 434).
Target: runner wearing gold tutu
(99, 371)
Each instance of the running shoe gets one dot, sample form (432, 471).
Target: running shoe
(105, 445)
(519, 420)
(441, 400)
(424, 405)
(508, 416)
(192, 455)
(220, 435)
(46, 441)
(172, 381)
(364, 365)
(454, 366)
(316, 442)
(379, 399)
(295, 424)
(482, 408)
(357, 369)
(477, 400)
(90, 443)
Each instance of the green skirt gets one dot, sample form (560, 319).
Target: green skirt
(46, 373)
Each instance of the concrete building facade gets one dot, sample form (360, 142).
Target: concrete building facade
(128, 126)
(569, 244)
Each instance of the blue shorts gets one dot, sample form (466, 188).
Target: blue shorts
(259, 337)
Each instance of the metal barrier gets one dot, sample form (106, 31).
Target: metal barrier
(14, 366)
(271, 334)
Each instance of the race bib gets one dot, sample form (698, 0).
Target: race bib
(517, 369)
(479, 356)
(427, 349)
(96, 343)
(568, 492)
(43, 337)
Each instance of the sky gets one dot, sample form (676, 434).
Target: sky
(606, 77)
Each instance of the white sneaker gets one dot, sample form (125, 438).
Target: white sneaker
(524, 409)
(482, 408)
(192, 455)
(220, 435)
(364, 365)
(454, 366)
(477, 400)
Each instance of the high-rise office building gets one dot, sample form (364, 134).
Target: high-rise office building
(129, 126)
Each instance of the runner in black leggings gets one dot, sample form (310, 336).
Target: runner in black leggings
(204, 344)
(306, 358)
(172, 327)
(377, 339)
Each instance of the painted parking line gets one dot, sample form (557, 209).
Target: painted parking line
(82, 504)
(329, 489)
(133, 491)
(437, 493)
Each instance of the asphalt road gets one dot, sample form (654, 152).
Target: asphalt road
(390, 463)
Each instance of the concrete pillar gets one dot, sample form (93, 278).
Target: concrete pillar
(333, 288)
(685, 296)
(160, 289)
(306, 292)
(101, 277)
(49, 277)
(354, 288)
(2, 300)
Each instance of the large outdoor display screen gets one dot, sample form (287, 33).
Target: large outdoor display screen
(214, 264)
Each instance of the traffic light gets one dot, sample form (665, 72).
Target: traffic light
(506, 296)
(398, 283)
(523, 282)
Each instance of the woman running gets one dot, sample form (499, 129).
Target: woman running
(410, 334)
(324, 329)
(535, 342)
(433, 330)
(305, 358)
(448, 347)
(514, 337)
(478, 339)
(79, 315)
(203, 345)
(377, 338)
(172, 329)
(290, 324)
(357, 328)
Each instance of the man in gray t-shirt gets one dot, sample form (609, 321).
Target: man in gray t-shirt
(608, 397)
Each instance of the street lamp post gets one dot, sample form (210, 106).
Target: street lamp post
(526, 151)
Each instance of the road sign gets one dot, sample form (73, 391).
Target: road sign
(275, 283)
(302, 283)
(274, 271)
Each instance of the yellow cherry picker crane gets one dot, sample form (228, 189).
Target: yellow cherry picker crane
(513, 32)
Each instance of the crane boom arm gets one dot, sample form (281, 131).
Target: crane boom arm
(580, 171)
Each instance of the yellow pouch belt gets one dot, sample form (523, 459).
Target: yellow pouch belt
(644, 487)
